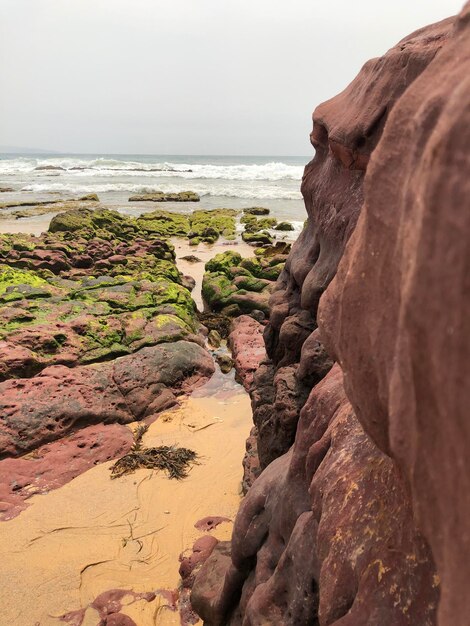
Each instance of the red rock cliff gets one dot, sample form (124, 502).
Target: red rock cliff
(360, 516)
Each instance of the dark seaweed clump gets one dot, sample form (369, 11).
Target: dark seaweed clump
(176, 462)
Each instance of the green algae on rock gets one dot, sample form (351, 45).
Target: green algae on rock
(233, 285)
(263, 237)
(72, 297)
(254, 225)
(164, 223)
(256, 210)
(284, 226)
(199, 226)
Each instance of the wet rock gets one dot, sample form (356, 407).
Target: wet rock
(214, 321)
(284, 226)
(247, 346)
(209, 523)
(190, 258)
(60, 399)
(261, 238)
(188, 282)
(256, 210)
(214, 339)
(224, 361)
(409, 260)
(55, 464)
(160, 196)
(39, 207)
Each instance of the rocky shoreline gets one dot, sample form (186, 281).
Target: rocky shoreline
(99, 331)
(340, 496)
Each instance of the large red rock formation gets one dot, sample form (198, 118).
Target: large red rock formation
(409, 263)
(326, 529)
(346, 130)
(359, 521)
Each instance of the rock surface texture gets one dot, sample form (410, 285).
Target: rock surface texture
(97, 328)
(360, 515)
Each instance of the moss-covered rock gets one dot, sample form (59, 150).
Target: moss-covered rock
(12, 277)
(256, 210)
(284, 226)
(263, 238)
(89, 294)
(256, 225)
(222, 263)
(88, 223)
(209, 225)
(160, 196)
(164, 223)
(233, 285)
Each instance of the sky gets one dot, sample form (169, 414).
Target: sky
(232, 77)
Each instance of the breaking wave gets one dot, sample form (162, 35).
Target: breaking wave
(267, 192)
(273, 171)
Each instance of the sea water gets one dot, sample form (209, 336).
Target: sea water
(221, 181)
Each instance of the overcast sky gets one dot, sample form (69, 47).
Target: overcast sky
(186, 76)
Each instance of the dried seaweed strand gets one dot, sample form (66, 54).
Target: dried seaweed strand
(175, 462)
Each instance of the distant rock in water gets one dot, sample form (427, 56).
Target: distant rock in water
(40, 207)
(160, 196)
(360, 514)
(256, 210)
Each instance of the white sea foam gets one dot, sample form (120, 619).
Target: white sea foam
(273, 171)
(230, 191)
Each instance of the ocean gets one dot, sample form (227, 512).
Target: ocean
(221, 181)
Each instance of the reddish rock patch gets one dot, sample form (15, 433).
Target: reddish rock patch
(247, 345)
(60, 399)
(57, 463)
(209, 523)
(190, 565)
(409, 260)
(108, 605)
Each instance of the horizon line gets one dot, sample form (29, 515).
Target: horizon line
(33, 152)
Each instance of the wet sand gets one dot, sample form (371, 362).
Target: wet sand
(96, 534)
(28, 225)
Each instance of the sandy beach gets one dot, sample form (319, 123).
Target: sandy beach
(95, 534)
